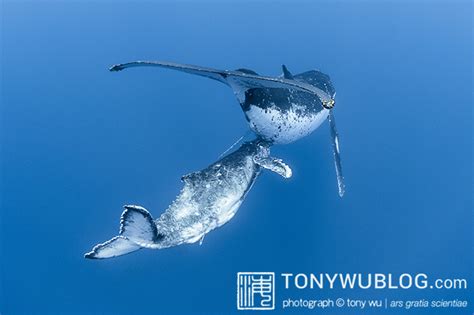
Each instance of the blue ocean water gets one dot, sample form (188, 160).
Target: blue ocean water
(79, 142)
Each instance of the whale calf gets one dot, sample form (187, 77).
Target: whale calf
(209, 199)
(278, 109)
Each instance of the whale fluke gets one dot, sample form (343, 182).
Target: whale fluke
(137, 230)
(117, 246)
(137, 225)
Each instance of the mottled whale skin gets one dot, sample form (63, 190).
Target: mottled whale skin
(279, 109)
(209, 199)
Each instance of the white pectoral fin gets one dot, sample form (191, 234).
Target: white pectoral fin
(137, 230)
(202, 239)
(274, 165)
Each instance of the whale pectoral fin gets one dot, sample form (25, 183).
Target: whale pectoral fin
(239, 80)
(218, 75)
(274, 165)
(202, 239)
(337, 155)
(117, 246)
(137, 225)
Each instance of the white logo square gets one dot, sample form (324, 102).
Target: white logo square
(255, 290)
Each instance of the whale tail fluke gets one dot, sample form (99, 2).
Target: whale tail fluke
(117, 246)
(137, 230)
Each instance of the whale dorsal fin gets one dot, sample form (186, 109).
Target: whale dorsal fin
(286, 73)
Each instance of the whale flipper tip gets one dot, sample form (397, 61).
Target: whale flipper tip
(117, 67)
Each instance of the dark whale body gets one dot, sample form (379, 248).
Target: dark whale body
(281, 109)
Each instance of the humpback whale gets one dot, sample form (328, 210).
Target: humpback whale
(278, 109)
(209, 199)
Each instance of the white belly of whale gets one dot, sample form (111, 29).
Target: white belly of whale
(282, 127)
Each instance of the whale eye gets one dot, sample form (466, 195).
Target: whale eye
(329, 104)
